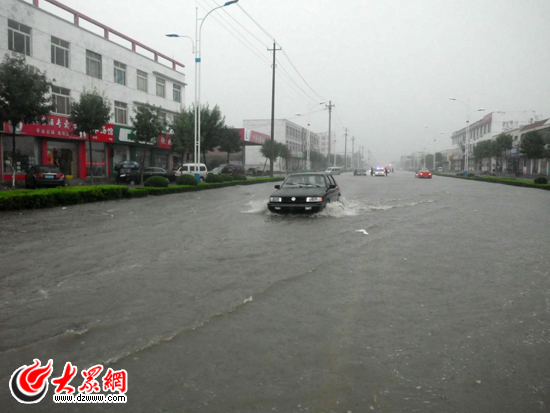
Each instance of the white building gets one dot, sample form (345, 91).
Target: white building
(79, 59)
(491, 125)
(287, 132)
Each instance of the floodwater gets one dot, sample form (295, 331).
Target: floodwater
(211, 303)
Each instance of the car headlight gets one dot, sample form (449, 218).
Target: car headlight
(275, 199)
(314, 199)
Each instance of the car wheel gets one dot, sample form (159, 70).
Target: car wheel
(201, 179)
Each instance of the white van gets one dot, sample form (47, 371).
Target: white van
(189, 168)
(333, 170)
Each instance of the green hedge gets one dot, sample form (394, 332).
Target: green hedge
(47, 198)
(499, 180)
(156, 182)
(187, 179)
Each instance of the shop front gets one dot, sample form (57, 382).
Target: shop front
(156, 153)
(54, 143)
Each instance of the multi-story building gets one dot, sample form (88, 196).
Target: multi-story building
(78, 59)
(291, 134)
(515, 162)
(489, 126)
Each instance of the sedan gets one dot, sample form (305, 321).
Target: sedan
(156, 171)
(424, 173)
(360, 172)
(40, 176)
(305, 192)
(380, 171)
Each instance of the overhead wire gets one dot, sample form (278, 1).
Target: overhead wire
(258, 54)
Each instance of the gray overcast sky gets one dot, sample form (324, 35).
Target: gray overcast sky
(389, 66)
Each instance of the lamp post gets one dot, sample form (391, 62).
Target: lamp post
(195, 100)
(467, 143)
(308, 161)
(197, 47)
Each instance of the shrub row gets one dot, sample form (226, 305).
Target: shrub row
(47, 198)
(505, 181)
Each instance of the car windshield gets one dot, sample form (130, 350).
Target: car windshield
(304, 181)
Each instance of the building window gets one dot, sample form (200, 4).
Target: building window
(142, 81)
(93, 64)
(61, 99)
(120, 73)
(161, 87)
(121, 113)
(19, 37)
(177, 93)
(60, 52)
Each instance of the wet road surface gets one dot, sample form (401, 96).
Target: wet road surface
(213, 304)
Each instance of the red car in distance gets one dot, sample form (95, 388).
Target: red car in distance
(424, 173)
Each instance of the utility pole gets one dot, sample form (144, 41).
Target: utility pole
(352, 149)
(346, 149)
(274, 50)
(362, 154)
(329, 106)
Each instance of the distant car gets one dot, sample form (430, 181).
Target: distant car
(127, 165)
(189, 169)
(333, 170)
(379, 171)
(253, 171)
(440, 169)
(217, 170)
(424, 173)
(156, 171)
(357, 172)
(232, 169)
(41, 176)
(304, 193)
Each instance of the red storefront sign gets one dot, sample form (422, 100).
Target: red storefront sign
(164, 142)
(59, 127)
(253, 137)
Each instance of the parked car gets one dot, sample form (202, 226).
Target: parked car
(423, 173)
(217, 170)
(379, 171)
(304, 193)
(253, 171)
(40, 176)
(189, 168)
(333, 170)
(232, 169)
(360, 172)
(156, 171)
(127, 165)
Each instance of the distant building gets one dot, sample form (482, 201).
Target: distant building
(294, 136)
(486, 128)
(78, 59)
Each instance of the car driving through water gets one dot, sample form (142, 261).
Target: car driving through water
(305, 192)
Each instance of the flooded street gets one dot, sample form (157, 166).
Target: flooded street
(213, 304)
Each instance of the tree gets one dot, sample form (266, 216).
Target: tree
(318, 161)
(147, 126)
(24, 97)
(267, 150)
(230, 141)
(532, 145)
(184, 134)
(212, 128)
(90, 115)
(285, 154)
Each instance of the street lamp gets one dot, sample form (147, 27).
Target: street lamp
(468, 113)
(195, 134)
(308, 162)
(197, 47)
